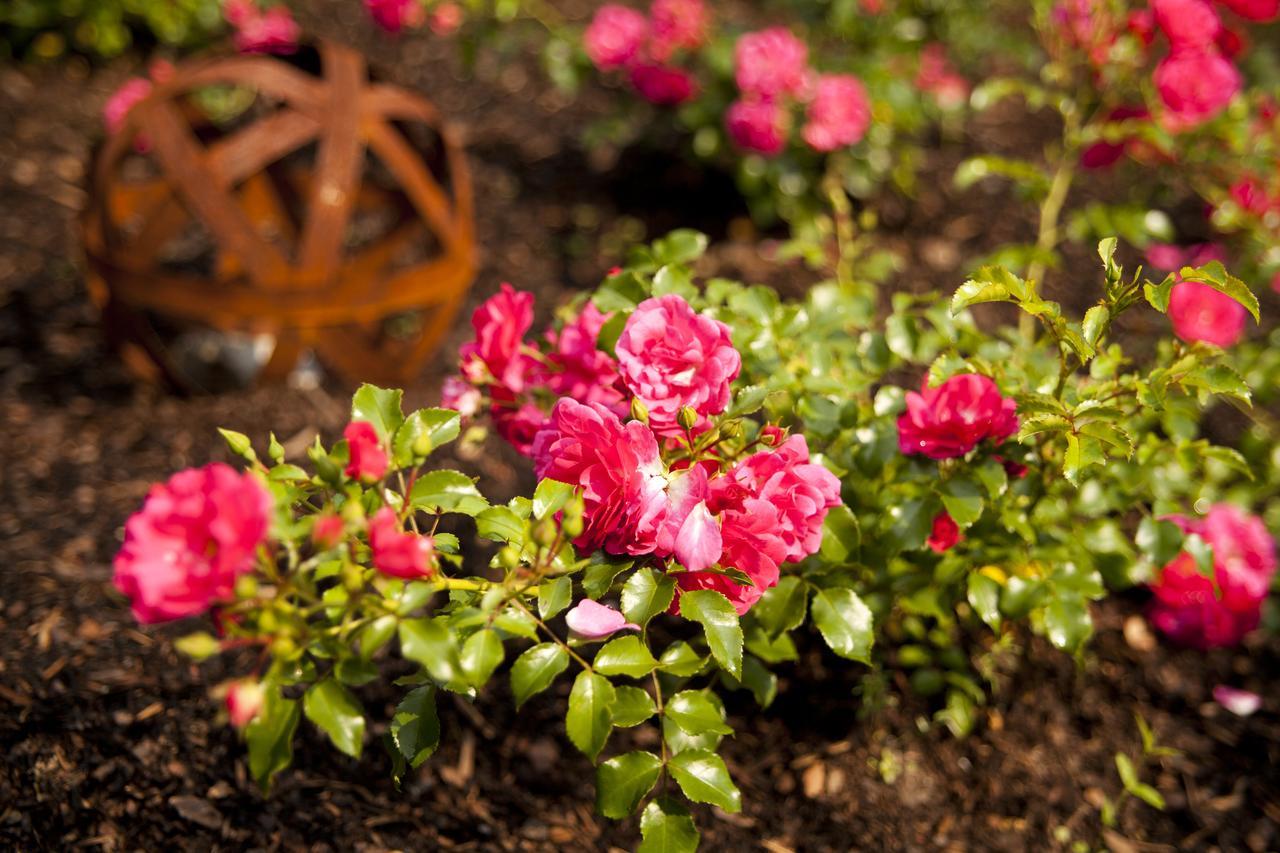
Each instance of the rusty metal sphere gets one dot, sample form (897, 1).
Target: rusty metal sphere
(332, 216)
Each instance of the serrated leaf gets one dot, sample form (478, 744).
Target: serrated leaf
(703, 778)
(1110, 434)
(379, 407)
(692, 711)
(625, 656)
(623, 781)
(482, 653)
(589, 718)
(632, 706)
(535, 669)
(434, 427)
(415, 728)
(646, 594)
(719, 622)
(1217, 277)
(447, 491)
(1095, 321)
(681, 660)
(845, 623)
(549, 497)
(554, 595)
(500, 524)
(332, 707)
(666, 827)
(1082, 451)
(601, 570)
(1157, 295)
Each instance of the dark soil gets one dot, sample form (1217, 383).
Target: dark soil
(110, 739)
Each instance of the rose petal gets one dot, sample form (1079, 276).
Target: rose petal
(1242, 703)
(595, 621)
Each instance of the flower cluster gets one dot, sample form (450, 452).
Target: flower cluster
(772, 73)
(647, 49)
(1218, 609)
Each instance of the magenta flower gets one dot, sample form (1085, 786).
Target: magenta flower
(757, 126)
(1200, 313)
(951, 420)
(519, 426)
(394, 15)
(578, 368)
(937, 78)
(122, 100)
(594, 621)
(1195, 84)
(192, 538)
(749, 544)
(1203, 612)
(367, 460)
(771, 63)
(460, 395)
(244, 701)
(1102, 153)
(500, 324)
(671, 357)
(397, 553)
(258, 31)
(945, 533)
(615, 36)
(839, 113)
(1187, 23)
(1254, 10)
(327, 531)
(662, 84)
(677, 25)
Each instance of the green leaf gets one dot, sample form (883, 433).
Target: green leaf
(534, 670)
(355, 671)
(1067, 622)
(1216, 276)
(962, 499)
(646, 594)
(681, 660)
(607, 340)
(841, 536)
(781, 608)
(431, 644)
(500, 524)
(380, 407)
(623, 781)
(270, 736)
(376, 634)
(425, 429)
(447, 491)
(747, 401)
(549, 497)
(554, 595)
(989, 284)
(984, 598)
(666, 827)
(845, 623)
(719, 622)
(625, 656)
(589, 718)
(1095, 321)
(1158, 294)
(692, 711)
(703, 778)
(682, 246)
(332, 707)
(198, 646)
(1128, 773)
(762, 683)
(993, 477)
(1109, 434)
(1082, 451)
(482, 653)
(601, 570)
(415, 728)
(632, 706)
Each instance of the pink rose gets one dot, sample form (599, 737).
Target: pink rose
(394, 15)
(757, 126)
(445, 18)
(677, 25)
(770, 63)
(662, 84)
(1194, 610)
(460, 395)
(192, 538)
(578, 368)
(945, 533)
(671, 357)
(937, 78)
(1171, 258)
(500, 324)
(1200, 313)
(588, 446)
(397, 553)
(1252, 196)
(1196, 85)
(839, 113)
(1187, 23)
(1101, 154)
(256, 31)
(519, 426)
(122, 100)
(1141, 24)
(615, 36)
(950, 420)
(594, 621)
(367, 460)
(244, 701)
(749, 544)
(327, 532)
(1254, 10)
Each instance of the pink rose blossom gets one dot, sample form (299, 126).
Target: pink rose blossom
(1101, 154)
(748, 544)
(578, 368)
(445, 18)
(950, 420)
(615, 36)
(945, 533)
(327, 532)
(394, 15)
(500, 324)
(519, 426)
(244, 701)
(258, 31)
(1171, 258)
(1187, 23)
(1196, 85)
(1254, 10)
(460, 395)
(1252, 196)
(367, 460)
(1141, 24)
(1200, 313)
(594, 621)
(122, 100)
(192, 538)
(771, 63)
(662, 84)
(937, 78)
(397, 553)
(1202, 612)
(1242, 703)
(757, 126)
(839, 113)
(677, 25)
(671, 357)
